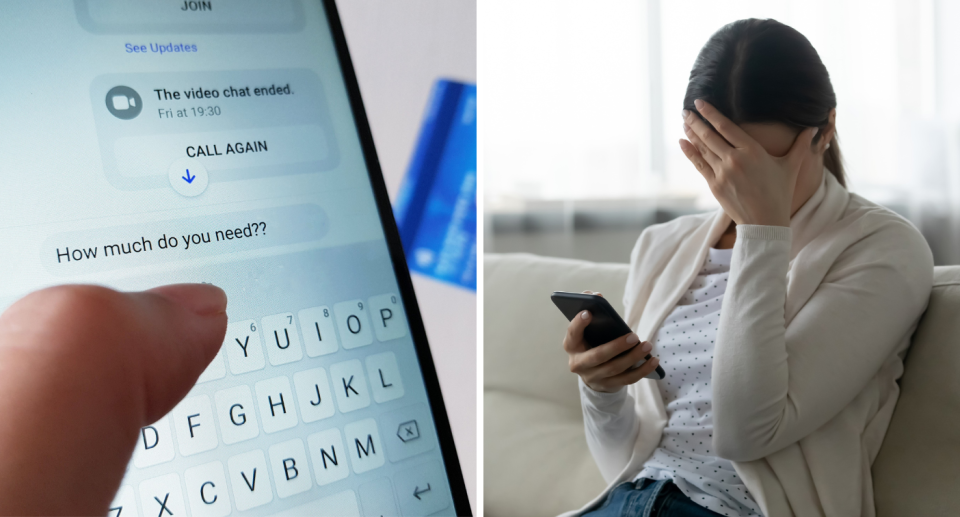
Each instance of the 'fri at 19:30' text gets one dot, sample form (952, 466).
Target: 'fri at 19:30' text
(209, 111)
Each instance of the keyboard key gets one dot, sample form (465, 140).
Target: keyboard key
(384, 377)
(242, 343)
(350, 386)
(124, 504)
(193, 420)
(376, 498)
(313, 394)
(155, 445)
(207, 490)
(249, 479)
(319, 338)
(328, 455)
(408, 431)
(275, 399)
(353, 323)
(343, 504)
(389, 320)
(217, 369)
(162, 496)
(363, 442)
(422, 490)
(238, 420)
(290, 468)
(283, 341)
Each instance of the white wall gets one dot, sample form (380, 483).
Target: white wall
(399, 49)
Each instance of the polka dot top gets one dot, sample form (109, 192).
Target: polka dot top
(684, 344)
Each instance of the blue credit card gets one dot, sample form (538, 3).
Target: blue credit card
(436, 208)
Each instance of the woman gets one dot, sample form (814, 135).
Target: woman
(781, 319)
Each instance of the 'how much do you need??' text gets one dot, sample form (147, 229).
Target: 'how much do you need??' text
(178, 241)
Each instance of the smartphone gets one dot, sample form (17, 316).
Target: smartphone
(147, 143)
(606, 325)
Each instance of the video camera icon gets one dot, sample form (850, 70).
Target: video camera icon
(124, 102)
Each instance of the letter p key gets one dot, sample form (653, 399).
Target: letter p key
(390, 322)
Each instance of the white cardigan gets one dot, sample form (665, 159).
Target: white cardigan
(814, 326)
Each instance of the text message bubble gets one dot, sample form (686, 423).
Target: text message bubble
(159, 242)
(275, 122)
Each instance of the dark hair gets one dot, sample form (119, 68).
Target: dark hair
(764, 71)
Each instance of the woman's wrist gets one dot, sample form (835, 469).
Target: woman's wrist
(593, 392)
(764, 231)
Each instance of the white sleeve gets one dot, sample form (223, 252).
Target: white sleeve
(773, 386)
(611, 424)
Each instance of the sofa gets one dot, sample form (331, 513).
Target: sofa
(536, 460)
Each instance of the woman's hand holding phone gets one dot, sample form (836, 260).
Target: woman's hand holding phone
(606, 368)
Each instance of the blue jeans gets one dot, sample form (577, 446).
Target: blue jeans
(649, 498)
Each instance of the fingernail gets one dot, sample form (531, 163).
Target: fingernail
(686, 113)
(585, 314)
(633, 339)
(698, 103)
(202, 299)
(815, 131)
(686, 128)
(646, 346)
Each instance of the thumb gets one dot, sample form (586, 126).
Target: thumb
(801, 146)
(82, 368)
(190, 321)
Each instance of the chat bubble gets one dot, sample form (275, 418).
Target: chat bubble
(158, 242)
(238, 124)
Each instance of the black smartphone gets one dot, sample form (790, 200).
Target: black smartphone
(606, 326)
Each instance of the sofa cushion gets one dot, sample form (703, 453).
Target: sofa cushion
(522, 329)
(536, 461)
(917, 471)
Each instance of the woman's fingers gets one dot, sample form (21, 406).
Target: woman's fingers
(724, 127)
(598, 365)
(801, 146)
(610, 377)
(707, 135)
(698, 161)
(607, 351)
(631, 376)
(705, 151)
(620, 364)
(573, 341)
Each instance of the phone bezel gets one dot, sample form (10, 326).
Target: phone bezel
(448, 449)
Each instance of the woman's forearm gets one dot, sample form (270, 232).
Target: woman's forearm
(611, 425)
(751, 370)
(774, 385)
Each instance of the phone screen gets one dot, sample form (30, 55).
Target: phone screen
(153, 142)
